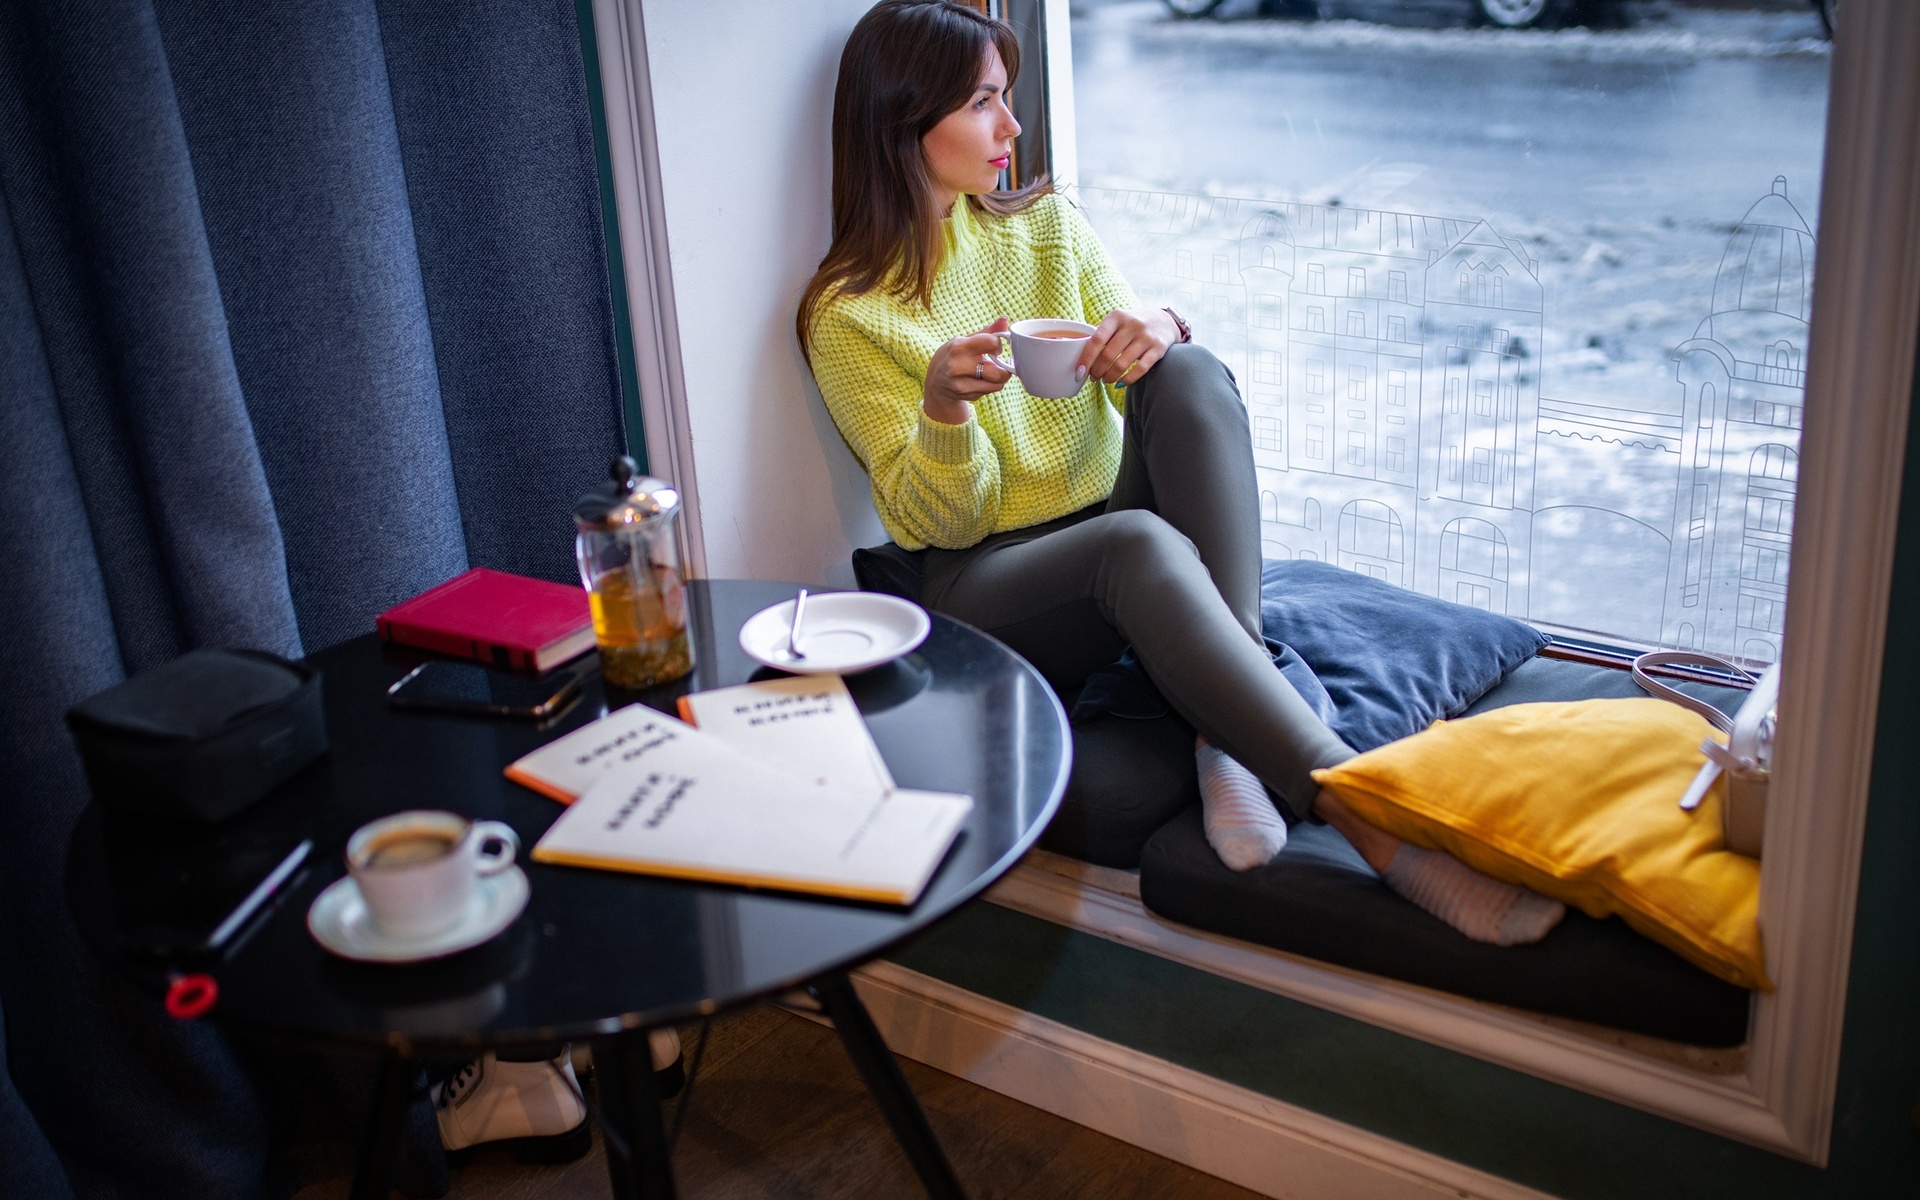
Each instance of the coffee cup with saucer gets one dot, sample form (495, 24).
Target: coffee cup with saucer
(421, 885)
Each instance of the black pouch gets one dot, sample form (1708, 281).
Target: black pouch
(201, 737)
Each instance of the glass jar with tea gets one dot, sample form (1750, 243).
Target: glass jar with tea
(630, 565)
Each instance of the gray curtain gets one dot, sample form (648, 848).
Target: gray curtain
(303, 309)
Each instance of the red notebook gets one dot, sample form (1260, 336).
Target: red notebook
(503, 620)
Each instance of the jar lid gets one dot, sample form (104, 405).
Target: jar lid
(628, 499)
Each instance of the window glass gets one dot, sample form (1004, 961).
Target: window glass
(1526, 308)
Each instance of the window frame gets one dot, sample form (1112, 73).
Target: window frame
(1866, 313)
(1865, 318)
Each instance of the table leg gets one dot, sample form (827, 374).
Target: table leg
(380, 1148)
(636, 1140)
(877, 1067)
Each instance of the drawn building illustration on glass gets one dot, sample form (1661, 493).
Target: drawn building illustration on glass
(1392, 368)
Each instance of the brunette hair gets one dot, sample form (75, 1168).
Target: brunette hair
(907, 64)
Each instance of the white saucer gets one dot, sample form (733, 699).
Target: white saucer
(842, 632)
(338, 920)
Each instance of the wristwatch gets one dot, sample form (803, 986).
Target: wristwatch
(1179, 322)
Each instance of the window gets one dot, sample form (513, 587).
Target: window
(1316, 441)
(1266, 367)
(1220, 274)
(1396, 456)
(1539, 310)
(1356, 383)
(1760, 612)
(1372, 541)
(1356, 449)
(1763, 564)
(1267, 434)
(1268, 312)
(1316, 377)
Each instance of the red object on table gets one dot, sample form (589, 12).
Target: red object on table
(190, 996)
(503, 620)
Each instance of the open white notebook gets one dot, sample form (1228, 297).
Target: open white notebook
(658, 796)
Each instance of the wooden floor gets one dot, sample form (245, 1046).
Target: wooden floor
(779, 1112)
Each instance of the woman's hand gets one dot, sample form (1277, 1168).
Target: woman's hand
(962, 371)
(1127, 344)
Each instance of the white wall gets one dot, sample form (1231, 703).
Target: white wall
(742, 92)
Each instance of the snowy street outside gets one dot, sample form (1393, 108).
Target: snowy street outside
(1520, 316)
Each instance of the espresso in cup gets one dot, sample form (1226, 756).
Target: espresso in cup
(1046, 356)
(419, 872)
(407, 848)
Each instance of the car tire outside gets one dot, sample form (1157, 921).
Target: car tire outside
(1515, 14)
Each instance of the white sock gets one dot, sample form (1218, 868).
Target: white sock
(1483, 908)
(1243, 827)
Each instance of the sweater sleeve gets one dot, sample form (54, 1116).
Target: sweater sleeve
(933, 484)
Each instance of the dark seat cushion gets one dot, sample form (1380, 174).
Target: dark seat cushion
(1129, 778)
(889, 568)
(1320, 900)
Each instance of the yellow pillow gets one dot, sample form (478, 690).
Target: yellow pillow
(1580, 802)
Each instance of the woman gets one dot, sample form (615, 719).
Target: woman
(1062, 531)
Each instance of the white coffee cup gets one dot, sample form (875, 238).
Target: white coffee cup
(1047, 365)
(418, 870)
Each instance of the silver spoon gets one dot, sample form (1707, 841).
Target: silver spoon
(793, 634)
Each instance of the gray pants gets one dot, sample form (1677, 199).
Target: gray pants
(1171, 565)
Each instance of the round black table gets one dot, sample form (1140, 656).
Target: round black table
(600, 956)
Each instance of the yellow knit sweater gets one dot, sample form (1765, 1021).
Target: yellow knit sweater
(1017, 460)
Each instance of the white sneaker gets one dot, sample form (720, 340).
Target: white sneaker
(663, 1047)
(531, 1109)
